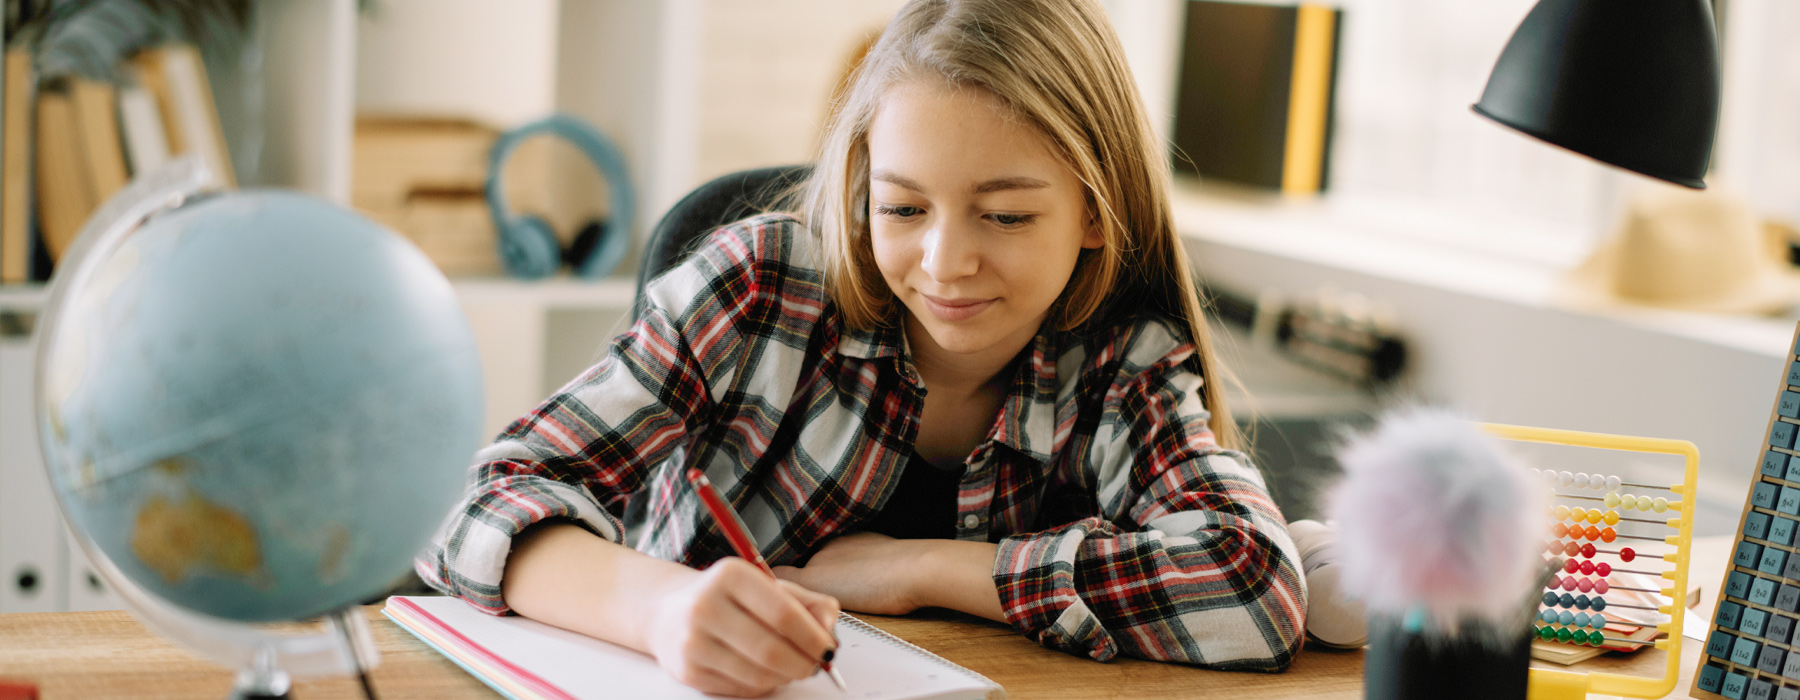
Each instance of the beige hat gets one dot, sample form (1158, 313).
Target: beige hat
(1685, 249)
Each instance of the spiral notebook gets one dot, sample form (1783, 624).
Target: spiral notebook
(527, 660)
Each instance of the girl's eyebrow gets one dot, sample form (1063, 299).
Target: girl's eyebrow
(1010, 183)
(998, 184)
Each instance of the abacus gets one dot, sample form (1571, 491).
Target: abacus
(1752, 649)
(1604, 527)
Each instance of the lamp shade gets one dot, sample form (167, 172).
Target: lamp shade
(1633, 83)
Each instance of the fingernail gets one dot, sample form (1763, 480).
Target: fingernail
(830, 654)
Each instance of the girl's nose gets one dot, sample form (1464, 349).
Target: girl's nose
(949, 253)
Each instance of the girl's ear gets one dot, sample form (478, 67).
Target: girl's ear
(1091, 237)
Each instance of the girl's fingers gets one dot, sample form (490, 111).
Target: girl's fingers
(823, 607)
(723, 660)
(713, 683)
(745, 636)
(779, 609)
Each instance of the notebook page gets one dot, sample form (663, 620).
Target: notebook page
(873, 668)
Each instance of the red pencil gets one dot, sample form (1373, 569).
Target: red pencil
(739, 536)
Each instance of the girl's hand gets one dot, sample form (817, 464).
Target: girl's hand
(866, 572)
(732, 630)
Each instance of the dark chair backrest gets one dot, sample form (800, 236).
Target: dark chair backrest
(724, 200)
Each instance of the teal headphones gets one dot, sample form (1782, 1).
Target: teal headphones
(528, 246)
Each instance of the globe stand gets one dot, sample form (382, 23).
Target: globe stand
(262, 681)
(267, 660)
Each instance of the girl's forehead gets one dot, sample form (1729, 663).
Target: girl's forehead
(921, 127)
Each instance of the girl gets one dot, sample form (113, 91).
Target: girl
(969, 371)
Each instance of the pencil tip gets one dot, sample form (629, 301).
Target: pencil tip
(836, 679)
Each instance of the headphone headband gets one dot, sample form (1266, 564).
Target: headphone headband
(622, 197)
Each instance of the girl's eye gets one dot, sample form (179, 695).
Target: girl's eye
(1012, 220)
(898, 212)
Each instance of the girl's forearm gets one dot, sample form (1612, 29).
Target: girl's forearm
(960, 576)
(563, 575)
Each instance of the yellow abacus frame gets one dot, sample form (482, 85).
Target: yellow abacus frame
(1551, 684)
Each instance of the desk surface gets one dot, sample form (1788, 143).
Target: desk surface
(110, 655)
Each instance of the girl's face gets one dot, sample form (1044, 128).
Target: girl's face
(975, 223)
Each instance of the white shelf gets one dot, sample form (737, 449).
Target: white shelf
(561, 292)
(23, 297)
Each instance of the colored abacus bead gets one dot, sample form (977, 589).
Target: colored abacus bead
(1588, 550)
(1612, 518)
(1547, 634)
(1551, 599)
(1548, 616)
(1597, 620)
(1598, 603)
(1565, 618)
(1611, 500)
(1613, 483)
(1581, 480)
(1564, 479)
(1594, 515)
(1644, 503)
(1604, 569)
(1660, 505)
(1567, 600)
(1607, 535)
(1581, 602)
(1559, 530)
(1601, 586)
(1587, 567)
(1560, 513)
(1570, 566)
(1626, 554)
(1585, 585)
(1592, 533)
(1564, 635)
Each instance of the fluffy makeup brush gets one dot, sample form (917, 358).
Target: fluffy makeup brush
(1435, 519)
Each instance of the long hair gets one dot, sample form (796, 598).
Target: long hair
(1058, 65)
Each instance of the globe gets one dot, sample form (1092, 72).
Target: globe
(257, 405)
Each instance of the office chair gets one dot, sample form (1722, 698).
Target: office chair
(724, 200)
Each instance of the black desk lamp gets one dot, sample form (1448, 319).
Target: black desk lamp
(1632, 83)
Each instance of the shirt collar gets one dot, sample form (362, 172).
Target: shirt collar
(883, 341)
(1027, 421)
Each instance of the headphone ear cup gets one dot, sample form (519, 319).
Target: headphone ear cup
(529, 249)
(585, 241)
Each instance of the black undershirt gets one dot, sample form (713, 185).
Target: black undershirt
(923, 504)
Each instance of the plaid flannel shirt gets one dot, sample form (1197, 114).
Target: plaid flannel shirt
(1122, 527)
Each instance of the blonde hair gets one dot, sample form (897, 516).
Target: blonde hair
(1058, 65)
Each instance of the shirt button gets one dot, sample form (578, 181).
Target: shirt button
(970, 521)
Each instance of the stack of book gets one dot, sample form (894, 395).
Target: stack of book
(69, 142)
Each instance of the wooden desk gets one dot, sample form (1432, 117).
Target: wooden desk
(109, 655)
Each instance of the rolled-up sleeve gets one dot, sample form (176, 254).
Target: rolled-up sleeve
(1189, 560)
(581, 454)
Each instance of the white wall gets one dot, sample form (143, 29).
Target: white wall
(491, 61)
(1505, 361)
(308, 69)
(768, 111)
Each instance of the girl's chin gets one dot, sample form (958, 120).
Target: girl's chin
(962, 338)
